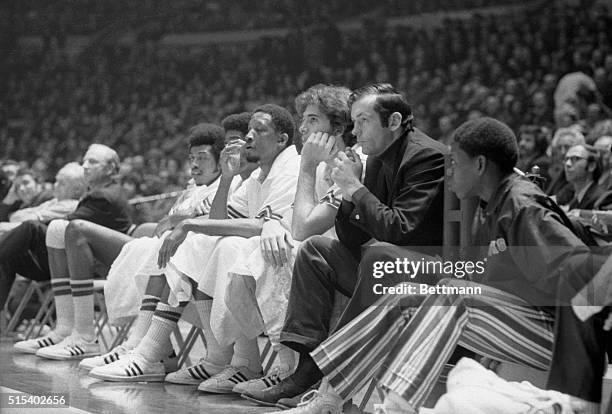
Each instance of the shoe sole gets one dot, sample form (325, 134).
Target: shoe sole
(258, 402)
(27, 350)
(185, 381)
(120, 378)
(216, 390)
(247, 391)
(66, 357)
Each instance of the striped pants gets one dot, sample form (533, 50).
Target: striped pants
(405, 340)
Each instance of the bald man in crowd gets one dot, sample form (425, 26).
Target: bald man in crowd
(103, 204)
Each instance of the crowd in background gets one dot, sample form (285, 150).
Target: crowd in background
(86, 17)
(140, 99)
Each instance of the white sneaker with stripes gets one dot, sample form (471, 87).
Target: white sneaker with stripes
(194, 374)
(104, 359)
(31, 346)
(71, 347)
(225, 381)
(131, 367)
(273, 377)
(316, 402)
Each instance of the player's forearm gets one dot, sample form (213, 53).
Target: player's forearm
(305, 198)
(218, 208)
(231, 227)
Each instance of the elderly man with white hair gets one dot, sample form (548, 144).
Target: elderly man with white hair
(69, 187)
(103, 204)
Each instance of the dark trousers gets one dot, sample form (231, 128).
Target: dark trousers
(364, 293)
(324, 265)
(579, 354)
(23, 251)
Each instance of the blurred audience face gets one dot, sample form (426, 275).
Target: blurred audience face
(11, 171)
(262, 139)
(368, 129)
(69, 182)
(27, 187)
(204, 167)
(562, 144)
(492, 105)
(138, 163)
(604, 144)
(539, 100)
(593, 113)
(474, 114)
(527, 144)
(576, 164)
(446, 125)
(608, 63)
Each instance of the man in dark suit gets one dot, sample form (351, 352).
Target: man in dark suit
(400, 202)
(583, 167)
(36, 250)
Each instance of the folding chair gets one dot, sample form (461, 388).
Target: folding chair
(186, 345)
(122, 333)
(43, 316)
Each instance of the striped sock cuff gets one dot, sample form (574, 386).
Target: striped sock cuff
(149, 303)
(169, 313)
(60, 286)
(81, 287)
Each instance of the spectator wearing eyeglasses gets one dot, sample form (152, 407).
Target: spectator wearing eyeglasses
(583, 167)
(563, 140)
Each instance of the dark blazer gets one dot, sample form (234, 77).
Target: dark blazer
(402, 202)
(106, 206)
(593, 193)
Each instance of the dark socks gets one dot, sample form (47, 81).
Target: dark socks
(307, 372)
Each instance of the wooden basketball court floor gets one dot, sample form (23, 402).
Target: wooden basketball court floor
(25, 373)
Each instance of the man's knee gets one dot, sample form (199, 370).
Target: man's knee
(315, 245)
(384, 262)
(77, 227)
(231, 243)
(76, 230)
(56, 234)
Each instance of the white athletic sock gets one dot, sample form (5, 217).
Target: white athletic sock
(82, 298)
(156, 342)
(64, 307)
(143, 321)
(246, 354)
(215, 353)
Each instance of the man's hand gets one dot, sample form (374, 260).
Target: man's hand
(276, 243)
(318, 147)
(230, 158)
(347, 174)
(163, 226)
(170, 244)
